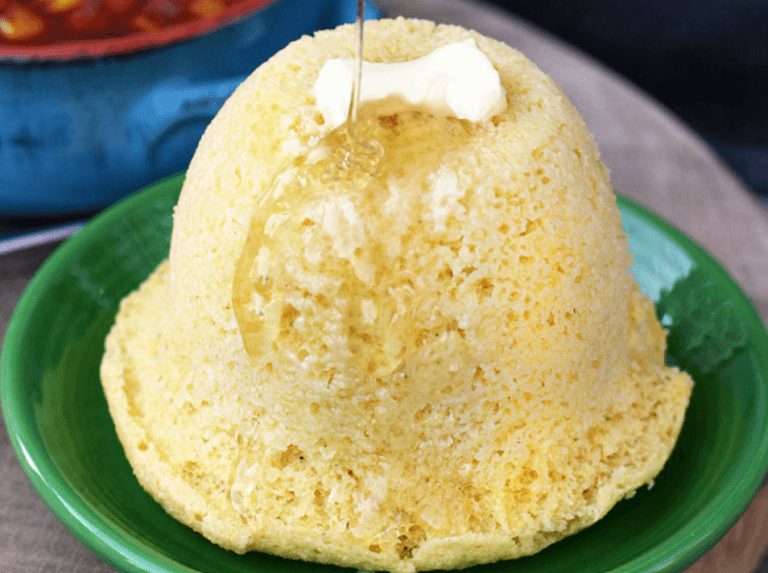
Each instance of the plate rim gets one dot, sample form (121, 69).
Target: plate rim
(127, 556)
(67, 505)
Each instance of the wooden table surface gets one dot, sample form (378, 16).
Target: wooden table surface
(655, 160)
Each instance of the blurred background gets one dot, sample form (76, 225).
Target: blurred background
(706, 60)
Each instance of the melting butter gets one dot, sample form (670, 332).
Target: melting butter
(457, 80)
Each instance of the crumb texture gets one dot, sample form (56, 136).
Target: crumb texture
(503, 383)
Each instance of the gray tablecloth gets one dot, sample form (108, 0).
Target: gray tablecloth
(654, 158)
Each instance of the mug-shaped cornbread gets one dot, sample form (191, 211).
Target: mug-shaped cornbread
(455, 370)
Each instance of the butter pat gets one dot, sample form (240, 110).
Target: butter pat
(457, 80)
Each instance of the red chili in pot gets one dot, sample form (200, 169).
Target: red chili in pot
(57, 21)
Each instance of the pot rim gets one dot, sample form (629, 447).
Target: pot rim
(112, 46)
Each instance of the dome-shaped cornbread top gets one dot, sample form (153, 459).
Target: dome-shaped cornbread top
(451, 366)
(504, 261)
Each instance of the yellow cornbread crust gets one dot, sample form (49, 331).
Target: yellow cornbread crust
(533, 397)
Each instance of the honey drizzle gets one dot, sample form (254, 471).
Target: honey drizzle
(401, 145)
(354, 101)
(362, 153)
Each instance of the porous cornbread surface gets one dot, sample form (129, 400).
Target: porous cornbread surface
(522, 392)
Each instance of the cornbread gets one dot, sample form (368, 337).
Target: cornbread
(451, 367)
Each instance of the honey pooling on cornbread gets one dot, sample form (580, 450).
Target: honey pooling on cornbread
(326, 271)
(520, 392)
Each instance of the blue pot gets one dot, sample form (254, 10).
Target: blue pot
(79, 134)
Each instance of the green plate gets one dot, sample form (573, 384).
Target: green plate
(58, 421)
